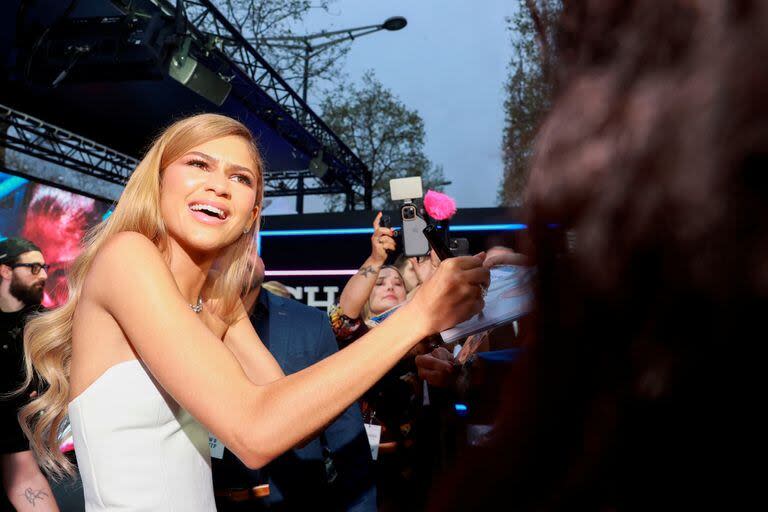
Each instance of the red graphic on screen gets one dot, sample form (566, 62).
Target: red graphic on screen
(57, 222)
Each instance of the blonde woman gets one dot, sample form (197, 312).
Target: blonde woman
(153, 349)
(376, 289)
(376, 292)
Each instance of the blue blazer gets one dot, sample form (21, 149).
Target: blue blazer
(299, 336)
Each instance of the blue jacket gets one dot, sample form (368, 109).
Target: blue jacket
(299, 336)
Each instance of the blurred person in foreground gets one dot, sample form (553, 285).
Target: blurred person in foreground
(23, 273)
(639, 391)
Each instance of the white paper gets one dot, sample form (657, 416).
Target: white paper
(509, 297)
(374, 438)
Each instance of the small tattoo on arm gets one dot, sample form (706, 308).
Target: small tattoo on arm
(369, 270)
(33, 495)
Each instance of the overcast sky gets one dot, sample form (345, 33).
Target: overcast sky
(449, 63)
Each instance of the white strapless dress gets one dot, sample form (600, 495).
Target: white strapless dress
(137, 449)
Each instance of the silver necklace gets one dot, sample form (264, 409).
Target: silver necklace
(197, 307)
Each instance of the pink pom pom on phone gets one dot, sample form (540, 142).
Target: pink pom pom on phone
(439, 206)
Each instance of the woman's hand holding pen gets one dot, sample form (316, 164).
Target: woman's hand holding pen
(452, 295)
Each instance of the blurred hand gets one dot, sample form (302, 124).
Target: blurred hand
(381, 241)
(504, 256)
(437, 368)
(452, 295)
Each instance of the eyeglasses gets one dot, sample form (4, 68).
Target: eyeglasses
(33, 267)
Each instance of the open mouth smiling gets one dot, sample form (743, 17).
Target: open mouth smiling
(208, 212)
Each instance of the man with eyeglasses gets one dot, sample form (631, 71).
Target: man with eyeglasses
(22, 278)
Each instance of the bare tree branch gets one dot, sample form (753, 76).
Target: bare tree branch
(528, 89)
(386, 134)
(257, 20)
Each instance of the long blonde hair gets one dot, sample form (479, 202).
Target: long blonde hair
(48, 337)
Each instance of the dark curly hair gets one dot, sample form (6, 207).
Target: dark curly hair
(637, 393)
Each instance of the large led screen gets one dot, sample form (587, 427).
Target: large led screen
(54, 219)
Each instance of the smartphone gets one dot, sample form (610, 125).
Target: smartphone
(459, 246)
(437, 242)
(414, 241)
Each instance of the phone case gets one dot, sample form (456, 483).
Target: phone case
(414, 241)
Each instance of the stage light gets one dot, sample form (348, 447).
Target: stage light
(310, 273)
(188, 71)
(317, 166)
(368, 231)
(317, 232)
(488, 227)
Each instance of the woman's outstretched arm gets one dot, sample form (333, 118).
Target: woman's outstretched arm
(358, 288)
(259, 422)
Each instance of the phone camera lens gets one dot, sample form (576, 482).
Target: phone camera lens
(409, 212)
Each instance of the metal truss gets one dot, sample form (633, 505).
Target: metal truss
(303, 183)
(31, 136)
(36, 138)
(213, 30)
(291, 183)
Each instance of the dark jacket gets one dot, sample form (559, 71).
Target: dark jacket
(299, 336)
